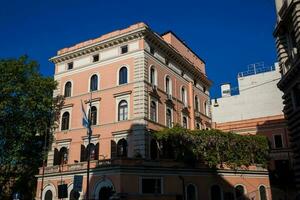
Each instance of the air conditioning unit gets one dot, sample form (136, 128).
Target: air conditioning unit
(170, 97)
(154, 87)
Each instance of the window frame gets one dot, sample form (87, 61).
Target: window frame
(156, 110)
(70, 65)
(186, 191)
(155, 82)
(71, 89)
(168, 90)
(187, 121)
(183, 95)
(90, 82)
(118, 75)
(118, 99)
(274, 141)
(69, 121)
(121, 49)
(157, 178)
(166, 124)
(96, 56)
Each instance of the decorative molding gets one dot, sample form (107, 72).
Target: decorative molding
(122, 93)
(93, 100)
(67, 105)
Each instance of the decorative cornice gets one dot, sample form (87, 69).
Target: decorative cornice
(110, 42)
(122, 93)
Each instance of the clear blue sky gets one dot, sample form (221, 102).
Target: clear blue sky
(228, 35)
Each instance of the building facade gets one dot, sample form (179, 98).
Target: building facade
(136, 82)
(287, 43)
(257, 109)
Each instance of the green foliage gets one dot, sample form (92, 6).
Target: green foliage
(26, 108)
(213, 147)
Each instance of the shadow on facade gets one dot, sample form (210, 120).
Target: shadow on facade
(135, 172)
(280, 165)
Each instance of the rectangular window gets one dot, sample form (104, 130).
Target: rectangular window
(278, 141)
(151, 186)
(70, 65)
(96, 58)
(152, 50)
(124, 49)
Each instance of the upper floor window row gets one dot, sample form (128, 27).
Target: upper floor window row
(94, 85)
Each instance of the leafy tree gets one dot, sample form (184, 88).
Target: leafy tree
(27, 110)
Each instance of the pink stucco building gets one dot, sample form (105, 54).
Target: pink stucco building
(138, 82)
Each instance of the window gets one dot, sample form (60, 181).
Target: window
(113, 149)
(65, 121)
(94, 83)
(96, 58)
(196, 103)
(94, 152)
(168, 85)
(122, 148)
(169, 118)
(153, 111)
(206, 108)
(239, 192)
(151, 186)
(278, 141)
(215, 193)
(153, 149)
(198, 126)
(152, 76)
(123, 110)
(70, 65)
(191, 192)
(93, 115)
(183, 96)
(167, 62)
(152, 50)
(63, 155)
(123, 76)
(184, 122)
(48, 195)
(262, 193)
(124, 49)
(68, 89)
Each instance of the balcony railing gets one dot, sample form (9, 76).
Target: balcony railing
(283, 8)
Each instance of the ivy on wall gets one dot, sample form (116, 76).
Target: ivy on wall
(212, 147)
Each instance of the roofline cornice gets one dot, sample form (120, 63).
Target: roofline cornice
(119, 39)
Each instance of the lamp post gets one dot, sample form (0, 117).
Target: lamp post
(44, 161)
(89, 132)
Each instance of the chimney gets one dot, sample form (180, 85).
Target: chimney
(225, 90)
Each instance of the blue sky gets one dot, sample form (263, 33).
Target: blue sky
(228, 35)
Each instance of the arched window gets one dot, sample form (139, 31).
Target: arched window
(262, 193)
(153, 149)
(191, 192)
(123, 76)
(183, 96)
(63, 155)
(168, 85)
(184, 122)
(169, 118)
(74, 195)
(93, 115)
(94, 151)
(68, 89)
(198, 126)
(153, 76)
(65, 121)
(82, 153)
(123, 110)
(48, 195)
(94, 83)
(153, 111)
(122, 148)
(196, 103)
(239, 192)
(215, 193)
